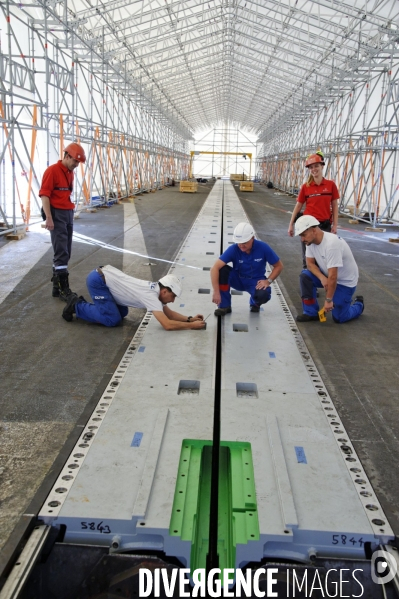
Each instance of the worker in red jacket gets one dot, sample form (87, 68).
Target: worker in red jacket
(320, 197)
(56, 190)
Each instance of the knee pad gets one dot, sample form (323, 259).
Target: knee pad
(262, 296)
(224, 274)
(306, 285)
(123, 310)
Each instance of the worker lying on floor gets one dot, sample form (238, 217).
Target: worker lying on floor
(330, 264)
(113, 292)
(249, 257)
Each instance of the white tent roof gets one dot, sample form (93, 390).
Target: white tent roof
(239, 61)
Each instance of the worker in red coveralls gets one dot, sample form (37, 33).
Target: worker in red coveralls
(56, 190)
(320, 197)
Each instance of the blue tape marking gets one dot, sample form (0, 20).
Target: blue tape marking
(300, 455)
(136, 440)
(183, 259)
(272, 354)
(141, 348)
(181, 306)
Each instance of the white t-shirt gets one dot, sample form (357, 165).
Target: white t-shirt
(334, 251)
(128, 291)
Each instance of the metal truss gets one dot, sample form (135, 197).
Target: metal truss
(54, 88)
(353, 116)
(221, 152)
(358, 130)
(134, 79)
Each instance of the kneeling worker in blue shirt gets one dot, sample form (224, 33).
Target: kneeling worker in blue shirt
(249, 257)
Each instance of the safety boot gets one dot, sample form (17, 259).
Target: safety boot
(222, 311)
(359, 299)
(63, 285)
(56, 284)
(306, 318)
(70, 310)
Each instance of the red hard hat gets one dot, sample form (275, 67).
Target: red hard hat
(314, 159)
(76, 151)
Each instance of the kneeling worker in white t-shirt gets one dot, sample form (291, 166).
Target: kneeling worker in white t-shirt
(113, 292)
(330, 264)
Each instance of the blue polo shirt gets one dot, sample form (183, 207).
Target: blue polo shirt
(252, 265)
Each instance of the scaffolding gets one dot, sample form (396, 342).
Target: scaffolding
(57, 87)
(194, 153)
(221, 151)
(355, 122)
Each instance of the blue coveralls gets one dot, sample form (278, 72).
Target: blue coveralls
(105, 310)
(342, 311)
(247, 270)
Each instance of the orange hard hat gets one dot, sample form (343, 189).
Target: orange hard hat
(76, 151)
(314, 159)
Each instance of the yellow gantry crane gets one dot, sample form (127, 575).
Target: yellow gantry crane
(198, 152)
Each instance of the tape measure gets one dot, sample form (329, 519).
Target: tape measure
(322, 315)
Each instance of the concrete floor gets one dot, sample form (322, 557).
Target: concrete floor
(54, 372)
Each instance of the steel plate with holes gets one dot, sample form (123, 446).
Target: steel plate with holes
(119, 486)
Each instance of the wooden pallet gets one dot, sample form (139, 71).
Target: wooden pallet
(20, 234)
(188, 186)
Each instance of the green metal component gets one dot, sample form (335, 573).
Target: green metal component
(238, 516)
(199, 516)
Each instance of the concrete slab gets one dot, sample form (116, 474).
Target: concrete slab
(118, 485)
(356, 359)
(52, 370)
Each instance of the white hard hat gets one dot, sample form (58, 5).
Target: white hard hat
(305, 222)
(243, 233)
(173, 282)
